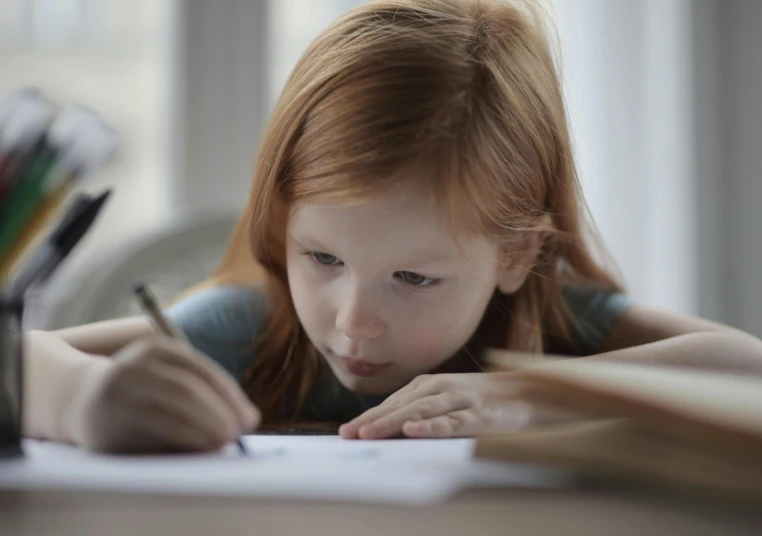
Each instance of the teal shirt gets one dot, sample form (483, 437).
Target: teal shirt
(223, 322)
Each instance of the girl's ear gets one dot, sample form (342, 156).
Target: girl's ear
(520, 262)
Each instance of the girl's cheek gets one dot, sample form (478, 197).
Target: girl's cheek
(425, 343)
(436, 334)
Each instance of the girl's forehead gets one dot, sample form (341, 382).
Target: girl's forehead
(405, 222)
(404, 209)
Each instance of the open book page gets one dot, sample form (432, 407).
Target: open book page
(300, 467)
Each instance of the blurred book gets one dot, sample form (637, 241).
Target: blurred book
(671, 428)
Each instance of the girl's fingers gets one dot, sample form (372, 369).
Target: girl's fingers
(510, 417)
(161, 406)
(462, 423)
(215, 376)
(351, 429)
(131, 429)
(420, 387)
(390, 425)
(181, 392)
(166, 430)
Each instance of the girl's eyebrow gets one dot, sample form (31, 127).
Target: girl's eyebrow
(309, 243)
(422, 259)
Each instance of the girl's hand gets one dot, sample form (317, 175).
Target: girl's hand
(157, 394)
(441, 405)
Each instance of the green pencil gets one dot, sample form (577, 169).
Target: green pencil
(25, 197)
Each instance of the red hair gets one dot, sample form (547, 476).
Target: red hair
(468, 91)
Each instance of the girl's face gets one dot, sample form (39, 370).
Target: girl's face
(382, 290)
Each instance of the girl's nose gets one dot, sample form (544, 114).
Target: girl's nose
(358, 319)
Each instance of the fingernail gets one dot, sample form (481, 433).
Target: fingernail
(349, 428)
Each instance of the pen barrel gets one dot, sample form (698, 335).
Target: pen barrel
(150, 306)
(34, 270)
(11, 374)
(169, 329)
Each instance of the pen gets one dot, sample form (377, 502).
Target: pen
(150, 307)
(73, 226)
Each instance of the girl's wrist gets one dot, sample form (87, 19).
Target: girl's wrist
(80, 379)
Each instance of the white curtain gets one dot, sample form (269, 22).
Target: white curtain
(628, 80)
(664, 102)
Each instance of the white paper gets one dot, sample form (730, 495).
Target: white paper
(299, 467)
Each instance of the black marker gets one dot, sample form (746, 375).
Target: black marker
(77, 221)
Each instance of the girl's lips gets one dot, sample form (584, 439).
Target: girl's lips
(359, 367)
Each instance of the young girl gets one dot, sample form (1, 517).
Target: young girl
(414, 203)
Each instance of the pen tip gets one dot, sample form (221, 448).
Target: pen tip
(138, 288)
(99, 200)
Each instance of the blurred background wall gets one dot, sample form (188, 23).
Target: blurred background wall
(663, 97)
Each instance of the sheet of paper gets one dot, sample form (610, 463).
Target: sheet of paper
(299, 467)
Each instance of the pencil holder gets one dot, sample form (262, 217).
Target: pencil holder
(11, 386)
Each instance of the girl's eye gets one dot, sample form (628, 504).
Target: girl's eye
(324, 258)
(417, 280)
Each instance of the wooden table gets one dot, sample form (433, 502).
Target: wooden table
(524, 513)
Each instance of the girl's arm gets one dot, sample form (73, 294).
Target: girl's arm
(107, 337)
(435, 405)
(53, 374)
(56, 363)
(650, 335)
(156, 394)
